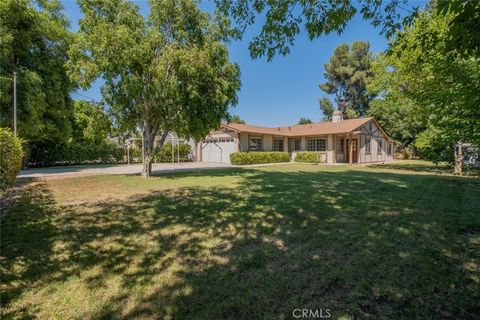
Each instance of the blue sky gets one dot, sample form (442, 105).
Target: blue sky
(281, 91)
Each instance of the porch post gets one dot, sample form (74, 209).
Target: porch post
(350, 151)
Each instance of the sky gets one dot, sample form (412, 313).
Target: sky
(281, 91)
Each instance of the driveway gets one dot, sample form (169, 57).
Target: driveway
(91, 170)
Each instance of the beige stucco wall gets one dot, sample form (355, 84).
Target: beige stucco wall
(267, 143)
(331, 155)
(243, 141)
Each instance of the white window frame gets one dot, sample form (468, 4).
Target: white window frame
(294, 147)
(368, 145)
(258, 144)
(317, 145)
(379, 146)
(277, 147)
(342, 142)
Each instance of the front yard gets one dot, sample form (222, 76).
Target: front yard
(257, 243)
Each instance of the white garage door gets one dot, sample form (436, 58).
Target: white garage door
(218, 150)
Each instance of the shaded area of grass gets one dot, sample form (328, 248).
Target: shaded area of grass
(247, 243)
(426, 166)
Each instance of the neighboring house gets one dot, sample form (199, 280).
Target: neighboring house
(340, 141)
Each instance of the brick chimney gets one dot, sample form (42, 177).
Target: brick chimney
(337, 116)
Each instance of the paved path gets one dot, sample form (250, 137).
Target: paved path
(74, 171)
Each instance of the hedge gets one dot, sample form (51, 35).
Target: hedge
(165, 153)
(310, 157)
(258, 157)
(48, 153)
(10, 158)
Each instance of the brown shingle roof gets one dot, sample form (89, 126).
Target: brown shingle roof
(321, 128)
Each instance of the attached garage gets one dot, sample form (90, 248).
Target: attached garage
(218, 150)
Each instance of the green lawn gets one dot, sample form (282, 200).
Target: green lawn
(256, 243)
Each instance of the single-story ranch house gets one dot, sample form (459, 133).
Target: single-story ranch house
(339, 141)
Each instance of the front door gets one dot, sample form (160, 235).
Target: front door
(354, 150)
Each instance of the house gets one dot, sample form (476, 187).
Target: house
(339, 141)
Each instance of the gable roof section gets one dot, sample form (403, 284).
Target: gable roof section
(345, 126)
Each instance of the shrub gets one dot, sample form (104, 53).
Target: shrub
(165, 152)
(310, 157)
(258, 157)
(10, 158)
(48, 153)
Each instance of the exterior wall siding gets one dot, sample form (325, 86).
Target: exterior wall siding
(267, 143)
(368, 131)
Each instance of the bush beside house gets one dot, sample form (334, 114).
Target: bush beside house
(310, 157)
(240, 158)
(10, 158)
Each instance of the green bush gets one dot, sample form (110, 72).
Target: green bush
(310, 157)
(10, 158)
(48, 153)
(165, 152)
(258, 157)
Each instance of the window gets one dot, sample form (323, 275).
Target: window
(367, 145)
(278, 145)
(255, 144)
(295, 145)
(340, 145)
(380, 146)
(389, 149)
(316, 145)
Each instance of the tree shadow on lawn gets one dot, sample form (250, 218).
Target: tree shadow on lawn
(362, 244)
(427, 167)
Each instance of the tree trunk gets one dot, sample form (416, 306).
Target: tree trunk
(149, 149)
(458, 169)
(148, 136)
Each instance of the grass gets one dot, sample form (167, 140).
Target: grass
(256, 243)
(426, 166)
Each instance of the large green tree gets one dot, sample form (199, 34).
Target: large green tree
(91, 124)
(393, 108)
(326, 107)
(281, 21)
(347, 74)
(34, 40)
(442, 85)
(169, 72)
(304, 121)
(236, 119)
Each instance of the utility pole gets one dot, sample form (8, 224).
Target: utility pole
(15, 103)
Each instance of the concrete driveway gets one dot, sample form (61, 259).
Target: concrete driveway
(91, 170)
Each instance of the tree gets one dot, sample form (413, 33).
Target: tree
(91, 123)
(236, 119)
(169, 72)
(34, 39)
(347, 75)
(284, 20)
(462, 33)
(326, 107)
(304, 121)
(443, 85)
(396, 112)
